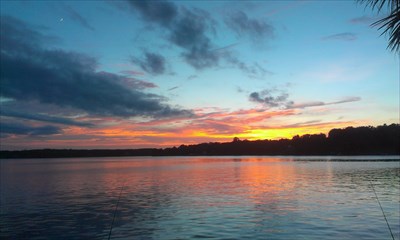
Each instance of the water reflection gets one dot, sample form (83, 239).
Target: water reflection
(189, 198)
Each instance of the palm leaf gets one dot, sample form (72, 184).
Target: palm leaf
(389, 24)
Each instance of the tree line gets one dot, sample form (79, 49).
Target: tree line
(367, 140)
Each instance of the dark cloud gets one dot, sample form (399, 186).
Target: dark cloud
(190, 30)
(20, 129)
(347, 36)
(19, 36)
(159, 12)
(152, 63)
(256, 29)
(201, 57)
(255, 97)
(68, 79)
(186, 29)
(267, 98)
(75, 16)
(43, 118)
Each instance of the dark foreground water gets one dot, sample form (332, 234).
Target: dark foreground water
(193, 198)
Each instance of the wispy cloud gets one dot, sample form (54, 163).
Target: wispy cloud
(242, 25)
(132, 73)
(320, 103)
(191, 77)
(254, 70)
(137, 84)
(363, 20)
(75, 16)
(152, 63)
(346, 36)
(290, 6)
(173, 88)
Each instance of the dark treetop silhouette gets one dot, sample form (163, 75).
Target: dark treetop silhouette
(381, 140)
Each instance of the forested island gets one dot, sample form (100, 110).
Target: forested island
(368, 140)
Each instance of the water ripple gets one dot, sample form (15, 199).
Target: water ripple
(198, 198)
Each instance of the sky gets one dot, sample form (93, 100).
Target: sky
(138, 74)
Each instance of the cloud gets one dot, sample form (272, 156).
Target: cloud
(320, 103)
(20, 129)
(160, 12)
(240, 23)
(347, 36)
(43, 118)
(213, 127)
(287, 7)
(363, 20)
(347, 99)
(132, 73)
(186, 29)
(190, 30)
(138, 84)
(191, 77)
(239, 89)
(152, 63)
(20, 36)
(225, 48)
(303, 124)
(68, 79)
(254, 71)
(189, 33)
(173, 88)
(75, 16)
(267, 98)
(307, 104)
(273, 98)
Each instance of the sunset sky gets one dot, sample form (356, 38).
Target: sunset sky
(100, 74)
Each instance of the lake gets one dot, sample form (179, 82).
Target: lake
(200, 197)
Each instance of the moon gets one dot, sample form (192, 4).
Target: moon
(61, 19)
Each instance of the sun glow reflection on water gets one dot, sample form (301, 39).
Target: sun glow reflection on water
(200, 197)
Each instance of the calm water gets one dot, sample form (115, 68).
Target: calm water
(193, 198)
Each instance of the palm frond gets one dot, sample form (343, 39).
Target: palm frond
(379, 4)
(389, 24)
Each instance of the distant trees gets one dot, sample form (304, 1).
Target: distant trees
(236, 139)
(367, 140)
(349, 141)
(315, 144)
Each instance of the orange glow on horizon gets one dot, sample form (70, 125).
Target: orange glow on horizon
(218, 126)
